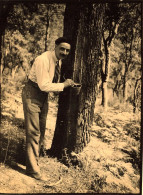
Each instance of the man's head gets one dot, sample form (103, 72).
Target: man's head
(62, 47)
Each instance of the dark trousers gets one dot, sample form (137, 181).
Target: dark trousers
(35, 106)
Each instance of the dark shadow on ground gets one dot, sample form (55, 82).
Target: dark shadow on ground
(12, 150)
(12, 140)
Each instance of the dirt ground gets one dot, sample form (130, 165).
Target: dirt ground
(110, 162)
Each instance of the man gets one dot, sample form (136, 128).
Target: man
(43, 78)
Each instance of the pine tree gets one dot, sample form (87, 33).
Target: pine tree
(75, 114)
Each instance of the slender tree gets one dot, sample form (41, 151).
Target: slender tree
(5, 8)
(115, 15)
(137, 94)
(129, 33)
(126, 53)
(112, 20)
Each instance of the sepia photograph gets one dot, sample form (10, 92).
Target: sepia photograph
(70, 96)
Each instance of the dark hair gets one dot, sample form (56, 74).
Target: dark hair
(62, 40)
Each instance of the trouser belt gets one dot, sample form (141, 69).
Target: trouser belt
(33, 83)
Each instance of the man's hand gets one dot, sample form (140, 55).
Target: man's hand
(68, 83)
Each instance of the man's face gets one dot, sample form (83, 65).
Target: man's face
(62, 50)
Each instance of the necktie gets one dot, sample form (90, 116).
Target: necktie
(57, 73)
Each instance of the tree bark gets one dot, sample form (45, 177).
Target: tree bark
(83, 23)
(128, 59)
(5, 8)
(109, 31)
(135, 95)
(124, 83)
(46, 33)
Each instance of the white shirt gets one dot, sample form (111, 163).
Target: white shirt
(42, 72)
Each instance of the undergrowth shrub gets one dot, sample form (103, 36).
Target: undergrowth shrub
(98, 183)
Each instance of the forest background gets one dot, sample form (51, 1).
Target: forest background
(31, 29)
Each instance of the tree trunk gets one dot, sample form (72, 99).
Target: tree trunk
(104, 95)
(135, 95)
(46, 34)
(5, 8)
(111, 31)
(105, 76)
(2, 54)
(127, 63)
(124, 83)
(83, 25)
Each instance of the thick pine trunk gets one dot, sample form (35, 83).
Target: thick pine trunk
(83, 25)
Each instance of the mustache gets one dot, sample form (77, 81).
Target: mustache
(63, 55)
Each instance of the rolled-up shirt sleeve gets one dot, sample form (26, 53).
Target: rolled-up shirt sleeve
(44, 79)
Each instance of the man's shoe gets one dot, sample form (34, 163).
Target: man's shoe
(37, 176)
